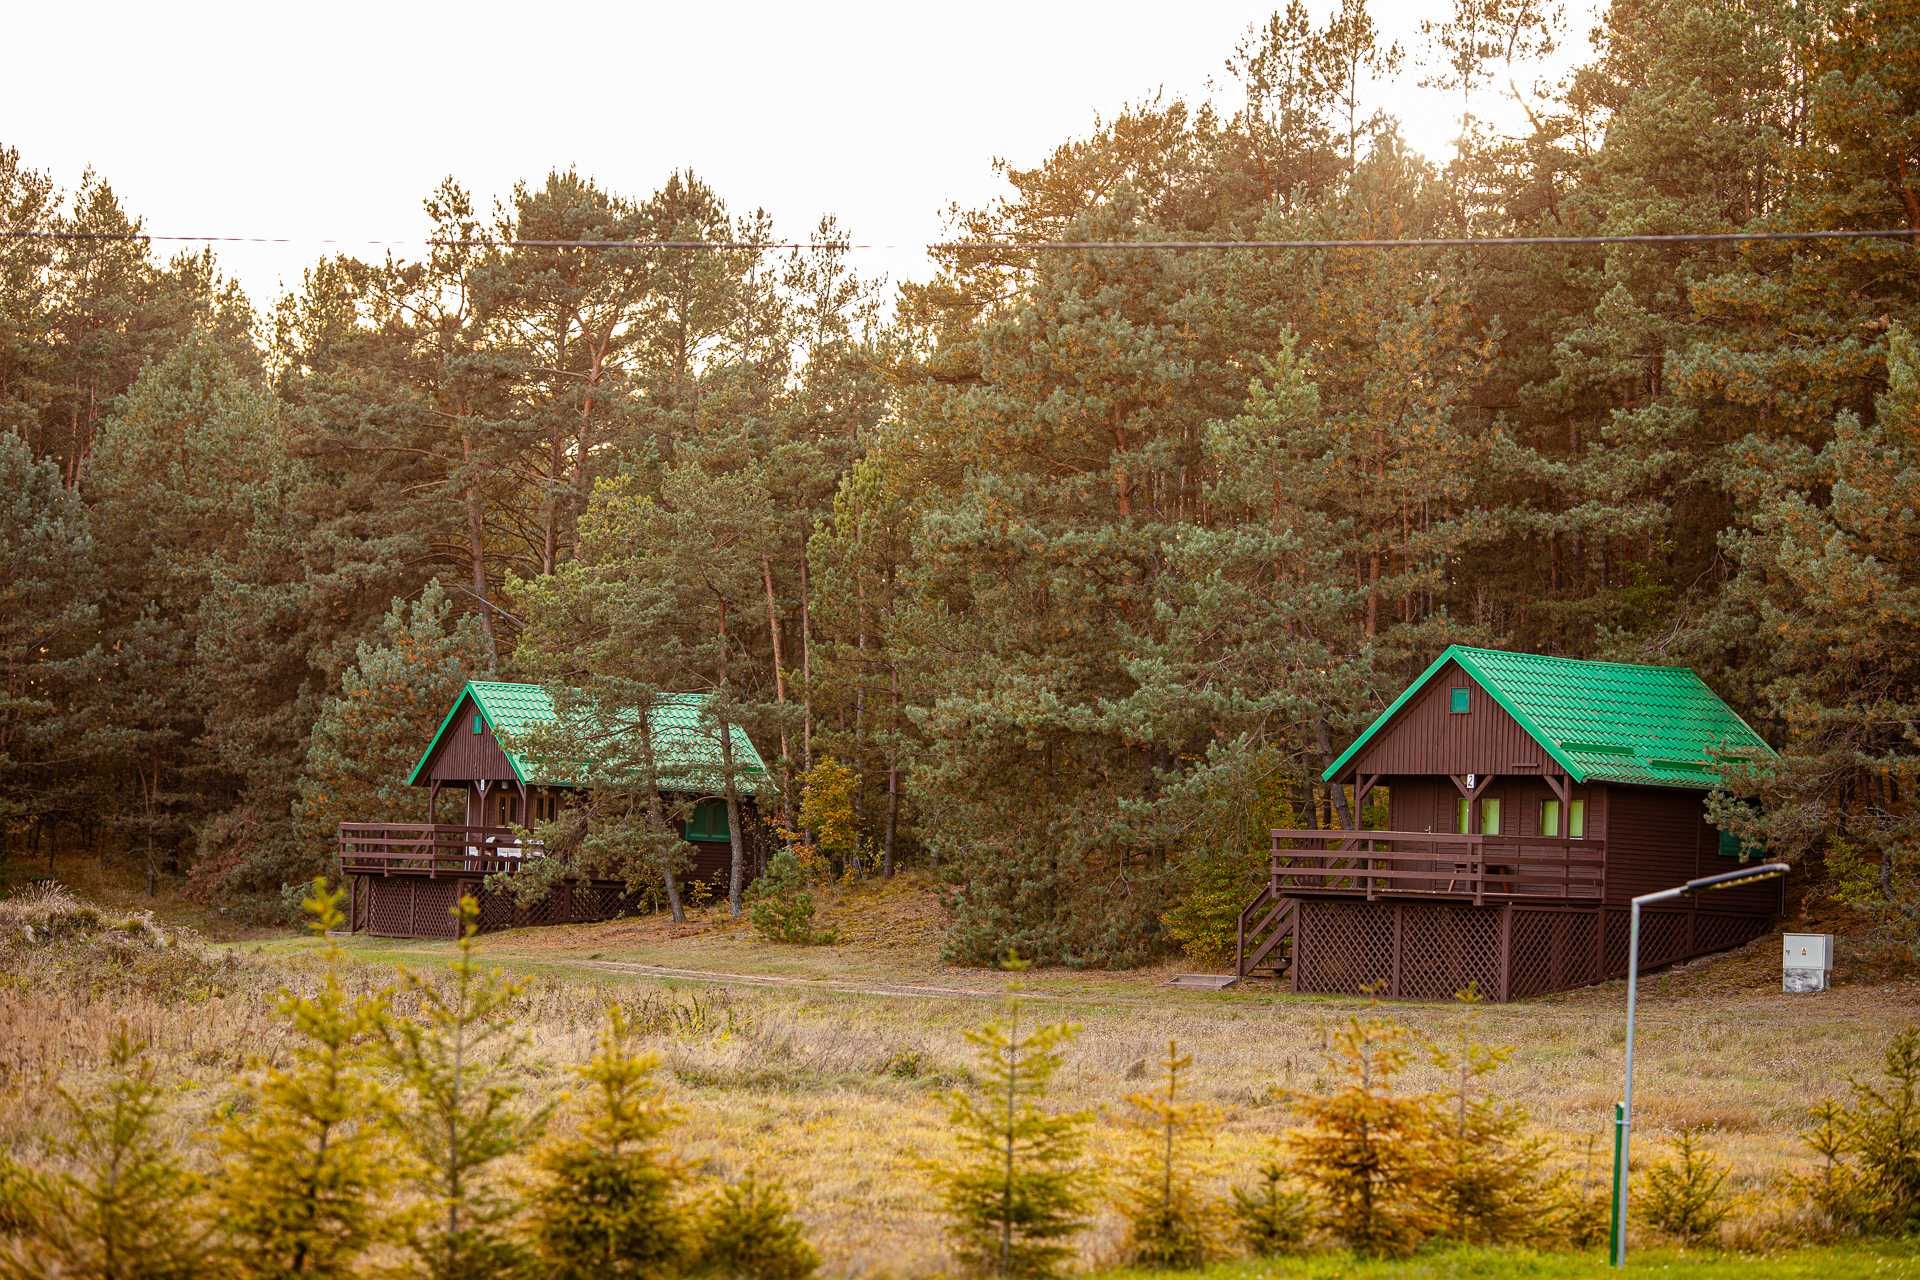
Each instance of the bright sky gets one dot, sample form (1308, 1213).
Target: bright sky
(333, 121)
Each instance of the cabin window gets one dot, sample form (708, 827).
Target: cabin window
(1459, 700)
(1731, 846)
(546, 805)
(1463, 816)
(708, 822)
(1576, 819)
(1490, 816)
(1549, 817)
(500, 808)
(479, 725)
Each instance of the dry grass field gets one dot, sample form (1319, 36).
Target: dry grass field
(828, 1064)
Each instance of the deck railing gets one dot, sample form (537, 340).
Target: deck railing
(432, 849)
(1435, 865)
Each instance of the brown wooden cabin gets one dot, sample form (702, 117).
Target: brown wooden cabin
(1527, 800)
(404, 878)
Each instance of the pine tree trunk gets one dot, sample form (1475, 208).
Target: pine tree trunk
(779, 690)
(806, 669)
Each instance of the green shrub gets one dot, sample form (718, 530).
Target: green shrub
(1684, 1194)
(779, 905)
(1271, 1215)
(750, 1233)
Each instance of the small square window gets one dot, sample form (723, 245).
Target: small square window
(1459, 701)
(479, 725)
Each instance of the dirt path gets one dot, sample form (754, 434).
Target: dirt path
(839, 986)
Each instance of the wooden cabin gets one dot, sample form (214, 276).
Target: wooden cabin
(1527, 799)
(404, 878)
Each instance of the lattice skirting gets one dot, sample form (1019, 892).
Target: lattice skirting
(1431, 951)
(422, 907)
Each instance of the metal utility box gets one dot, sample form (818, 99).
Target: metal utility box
(1808, 962)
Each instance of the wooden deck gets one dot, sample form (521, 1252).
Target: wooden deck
(431, 849)
(1421, 864)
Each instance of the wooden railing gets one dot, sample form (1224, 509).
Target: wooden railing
(1434, 865)
(432, 849)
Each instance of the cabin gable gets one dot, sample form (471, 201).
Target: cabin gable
(459, 754)
(1427, 735)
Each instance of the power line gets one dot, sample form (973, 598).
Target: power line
(1005, 245)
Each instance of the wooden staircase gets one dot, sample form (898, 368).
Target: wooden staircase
(1264, 941)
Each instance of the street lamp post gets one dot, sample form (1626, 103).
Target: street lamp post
(1623, 1114)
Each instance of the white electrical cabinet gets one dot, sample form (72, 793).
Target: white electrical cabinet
(1808, 962)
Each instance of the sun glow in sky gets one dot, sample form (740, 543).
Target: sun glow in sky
(333, 121)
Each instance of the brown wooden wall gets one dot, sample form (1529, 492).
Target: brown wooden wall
(1661, 838)
(1426, 804)
(1424, 737)
(465, 756)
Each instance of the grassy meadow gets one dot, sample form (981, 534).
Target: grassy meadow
(828, 1065)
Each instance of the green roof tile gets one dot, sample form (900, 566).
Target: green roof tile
(1602, 721)
(686, 749)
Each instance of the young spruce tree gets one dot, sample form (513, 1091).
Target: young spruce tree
(458, 1058)
(1368, 1150)
(116, 1204)
(608, 1205)
(1487, 1184)
(1171, 1220)
(306, 1167)
(1018, 1191)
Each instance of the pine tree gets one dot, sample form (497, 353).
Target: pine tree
(367, 736)
(49, 612)
(1273, 1216)
(1829, 590)
(1172, 1220)
(462, 1112)
(1487, 1182)
(610, 1202)
(1017, 1192)
(306, 1168)
(1366, 1149)
(1684, 1193)
(1869, 1178)
(117, 1203)
(750, 1233)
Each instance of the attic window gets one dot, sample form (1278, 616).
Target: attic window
(479, 725)
(1459, 700)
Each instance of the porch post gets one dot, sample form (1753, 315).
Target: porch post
(1506, 952)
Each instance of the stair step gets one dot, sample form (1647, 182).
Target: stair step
(1203, 981)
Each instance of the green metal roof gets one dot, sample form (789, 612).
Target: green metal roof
(1600, 721)
(686, 749)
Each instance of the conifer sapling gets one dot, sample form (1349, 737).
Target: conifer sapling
(306, 1167)
(608, 1205)
(1018, 1191)
(462, 1113)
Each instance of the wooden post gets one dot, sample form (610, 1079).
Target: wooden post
(1393, 971)
(1506, 953)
